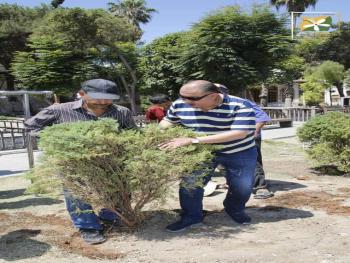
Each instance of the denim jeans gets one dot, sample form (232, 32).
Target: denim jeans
(239, 169)
(83, 216)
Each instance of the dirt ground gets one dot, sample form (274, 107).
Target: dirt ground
(306, 221)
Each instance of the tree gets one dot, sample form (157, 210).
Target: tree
(56, 3)
(294, 6)
(234, 48)
(285, 71)
(70, 45)
(135, 11)
(16, 24)
(332, 73)
(318, 78)
(309, 48)
(228, 47)
(313, 90)
(51, 66)
(337, 46)
(159, 64)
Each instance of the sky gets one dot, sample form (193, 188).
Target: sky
(178, 15)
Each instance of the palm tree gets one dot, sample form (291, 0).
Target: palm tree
(294, 6)
(56, 3)
(135, 11)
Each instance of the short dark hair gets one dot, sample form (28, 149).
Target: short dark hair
(159, 99)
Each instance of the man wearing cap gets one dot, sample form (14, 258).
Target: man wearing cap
(218, 119)
(96, 102)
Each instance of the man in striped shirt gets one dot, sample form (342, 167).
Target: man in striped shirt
(96, 102)
(218, 119)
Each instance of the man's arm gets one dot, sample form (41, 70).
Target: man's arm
(223, 137)
(261, 119)
(39, 121)
(258, 127)
(164, 124)
(210, 139)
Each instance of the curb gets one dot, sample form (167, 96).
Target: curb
(8, 152)
(277, 138)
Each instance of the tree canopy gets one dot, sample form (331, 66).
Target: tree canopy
(135, 11)
(67, 47)
(321, 77)
(229, 47)
(337, 46)
(16, 24)
(294, 5)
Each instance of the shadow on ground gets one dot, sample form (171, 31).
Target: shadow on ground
(331, 170)
(21, 240)
(216, 224)
(277, 185)
(11, 193)
(10, 172)
(36, 201)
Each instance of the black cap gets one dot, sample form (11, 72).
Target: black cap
(100, 89)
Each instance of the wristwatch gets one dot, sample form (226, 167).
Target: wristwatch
(195, 141)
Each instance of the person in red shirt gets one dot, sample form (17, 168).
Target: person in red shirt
(158, 109)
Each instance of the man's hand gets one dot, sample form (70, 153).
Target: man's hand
(256, 133)
(175, 143)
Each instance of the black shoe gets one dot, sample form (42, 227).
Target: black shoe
(263, 194)
(239, 217)
(92, 236)
(182, 225)
(110, 223)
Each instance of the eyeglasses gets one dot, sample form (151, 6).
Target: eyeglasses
(195, 98)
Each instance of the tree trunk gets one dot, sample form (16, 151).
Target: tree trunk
(289, 92)
(130, 89)
(10, 82)
(131, 94)
(340, 89)
(263, 95)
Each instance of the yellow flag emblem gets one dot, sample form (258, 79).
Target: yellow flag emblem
(320, 23)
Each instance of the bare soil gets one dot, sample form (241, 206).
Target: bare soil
(306, 221)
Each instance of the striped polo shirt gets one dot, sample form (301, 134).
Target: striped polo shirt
(232, 114)
(73, 112)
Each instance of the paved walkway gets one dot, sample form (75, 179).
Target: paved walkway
(16, 162)
(274, 132)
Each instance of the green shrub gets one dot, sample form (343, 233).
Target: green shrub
(44, 180)
(329, 138)
(121, 170)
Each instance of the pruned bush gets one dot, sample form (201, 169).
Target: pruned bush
(329, 138)
(121, 170)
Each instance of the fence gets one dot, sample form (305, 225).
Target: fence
(294, 113)
(12, 134)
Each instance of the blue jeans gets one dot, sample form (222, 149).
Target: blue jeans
(239, 169)
(83, 216)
